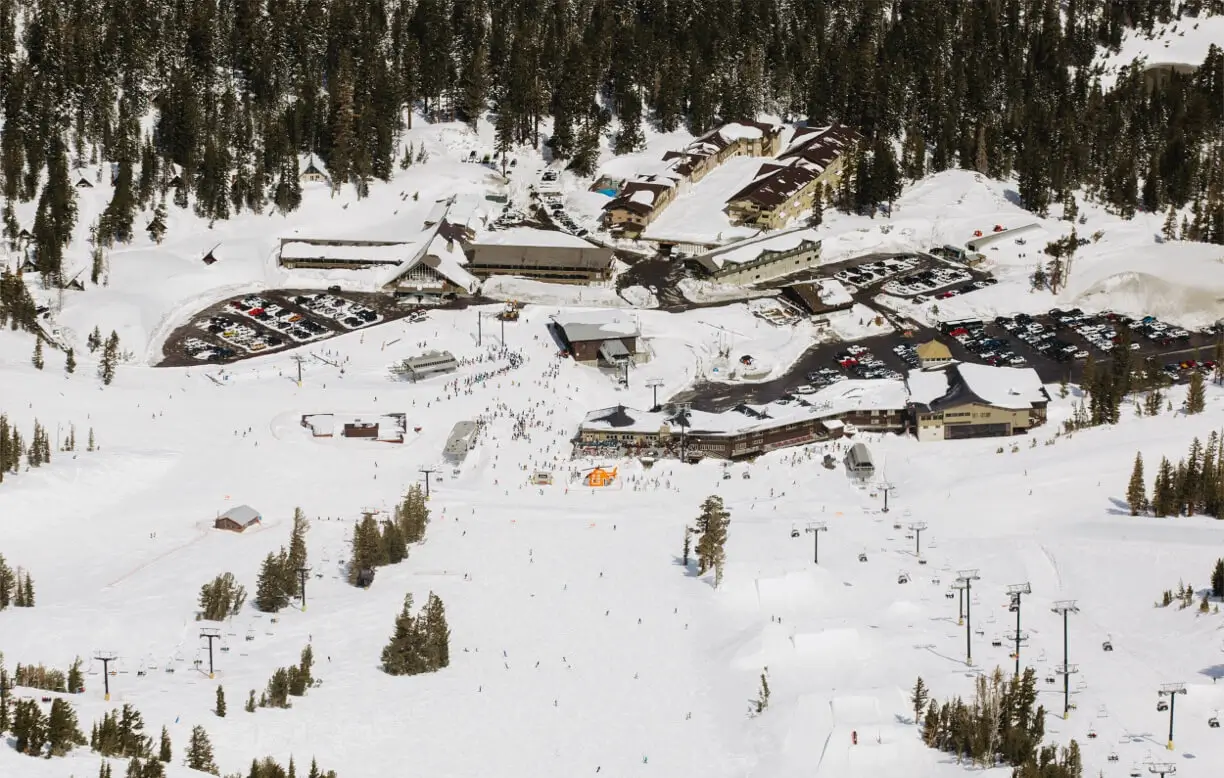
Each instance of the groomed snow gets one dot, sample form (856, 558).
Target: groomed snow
(698, 215)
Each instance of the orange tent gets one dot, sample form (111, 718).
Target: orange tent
(601, 477)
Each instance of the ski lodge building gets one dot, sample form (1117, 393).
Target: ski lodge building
(962, 401)
(976, 401)
(546, 255)
(747, 430)
(641, 200)
(786, 187)
(763, 258)
(600, 338)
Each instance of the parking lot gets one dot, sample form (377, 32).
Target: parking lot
(256, 324)
(1056, 344)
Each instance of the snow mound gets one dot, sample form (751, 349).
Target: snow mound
(526, 290)
(1140, 293)
(860, 710)
(792, 590)
(832, 646)
(639, 297)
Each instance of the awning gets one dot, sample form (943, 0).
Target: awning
(613, 351)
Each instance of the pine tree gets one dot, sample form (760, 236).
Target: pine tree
(367, 552)
(404, 654)
(436, 648)
(38, 353)
(199, 752)
(27, 591)
(1217, 579)
(1162, 492)
(1196, 397)
(712, 530)
(919, 697)
(70, 362)
(762, 700)
(250, 703)
(94, 341)
(1136, 494)
(219, 709)
(91, 446)
(63, 732)
(270, 592)
(157, 225)
(1169, 231)
(164, 752)
(76, 679)
(688, 545)
(110, 358)
(8, 582)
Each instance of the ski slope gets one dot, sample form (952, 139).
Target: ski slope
(579, 643)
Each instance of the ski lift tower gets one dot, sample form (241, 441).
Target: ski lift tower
(1015, 591)
(887, 487)
(968, 576)
(1171, 690)
(210, 634)
(917, 528)
(1065, 607)
(106, 657)
(653, 384)
(816, 527)
(960, 586)
(1162, 768)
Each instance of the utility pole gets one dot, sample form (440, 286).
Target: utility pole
(654, 384)
(886, 488)
(1066, 607)
(427, 473)
(302, 573)
(816, 527)
(960, 587)
(210, 634)
(1171, 690)
(917, 528)
(106, 657)
(968, 576)
(1015, 591)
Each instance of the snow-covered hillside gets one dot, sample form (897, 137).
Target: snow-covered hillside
(579, 644)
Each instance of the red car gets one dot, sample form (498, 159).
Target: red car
(255, 311)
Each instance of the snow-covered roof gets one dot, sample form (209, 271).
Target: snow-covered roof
(751, 249)
(643, 196)
(596, 325)
(310, 163)
(242, 514)
(927, 386)
(836, 400)
(444, 256)
(529, 236)
(735, 131)
(1004, 387)
(387, 254)
(832, 293)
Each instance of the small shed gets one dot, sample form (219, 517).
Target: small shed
(238, 519)
(933, 355)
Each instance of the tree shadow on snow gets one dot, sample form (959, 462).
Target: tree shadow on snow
(690, 569)
(1214, 672)
(1120, 507)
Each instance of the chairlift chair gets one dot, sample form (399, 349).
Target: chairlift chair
(1092, 734)
(1161, 706)
(747, 475)
(903, 578)
(896, 525)
(1113, 756)
(1108, 644)
(863, 557)
(250, 635)
(1050, 679)
(922, 561)
(950, 594)
(794, 531)
(1214, 721)
(996, 642)
(1135, 773)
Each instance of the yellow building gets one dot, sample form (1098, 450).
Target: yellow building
(933, 354)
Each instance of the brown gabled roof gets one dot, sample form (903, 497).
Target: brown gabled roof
(821, 142)
(776, 186)
(624, 198)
